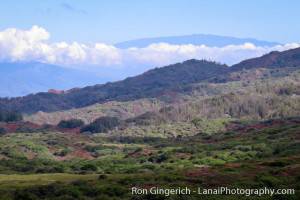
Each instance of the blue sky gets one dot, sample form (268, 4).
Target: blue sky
(116, 20)
(82, 34)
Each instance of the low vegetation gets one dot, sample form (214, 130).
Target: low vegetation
(246, 154)
(10, 116)
(101, 125)
(71, 123)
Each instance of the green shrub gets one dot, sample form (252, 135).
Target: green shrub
(244, 148)
(101, 125)
(26, 129)
(2, 131)
(276, 163)
(158, 158)
(63, 152)
(10, 116)
(102, 177)
(71, 123)
(267, 180)
(147, 118)
(211, 161)
(210, 126)
(89, 167)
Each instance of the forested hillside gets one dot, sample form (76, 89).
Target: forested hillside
(153, 83)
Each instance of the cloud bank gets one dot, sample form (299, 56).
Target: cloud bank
(33, 45)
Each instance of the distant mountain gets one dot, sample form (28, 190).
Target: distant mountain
(149, 84)
(152, 83)
(197, 39)
(19, 79)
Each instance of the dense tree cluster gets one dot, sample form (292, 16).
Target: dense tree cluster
(10, 116)
(101, 125)
(71, 123)
(2, 131)
(147, 118)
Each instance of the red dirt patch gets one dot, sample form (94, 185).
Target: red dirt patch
(200, 172)
(78, 153)
(260, 125)
(13, 126)
(183, 155)
(291, 170)
(208, 176)
(144, 152)
(54, 91)
(232, 165)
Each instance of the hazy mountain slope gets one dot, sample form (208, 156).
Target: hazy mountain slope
(197, 39)
(154, 83)
(19, 79)
(261, 98)
(38, 77)
(150, 84)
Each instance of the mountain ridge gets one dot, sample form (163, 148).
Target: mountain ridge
(290, 58)
(195, 39)
(34, 77)
(149, 84)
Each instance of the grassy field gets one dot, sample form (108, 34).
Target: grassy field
(27, 180)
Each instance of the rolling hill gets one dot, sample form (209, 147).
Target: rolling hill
(152, 83)
(149, 84)
(275, 59)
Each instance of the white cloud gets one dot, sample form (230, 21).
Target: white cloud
(34, 45)
(19, 45)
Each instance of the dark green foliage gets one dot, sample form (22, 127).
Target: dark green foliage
(32, 166)
(89, 167)
(10, 116)
(102, 177)
(71, 123)
(267, 180)
(159, 158)
(139, 140)
(147, 118)
(25, 128)
(63, 152)
(101, 125)
(2, 131)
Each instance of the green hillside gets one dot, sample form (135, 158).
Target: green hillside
(72, 166)
(259, 99)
